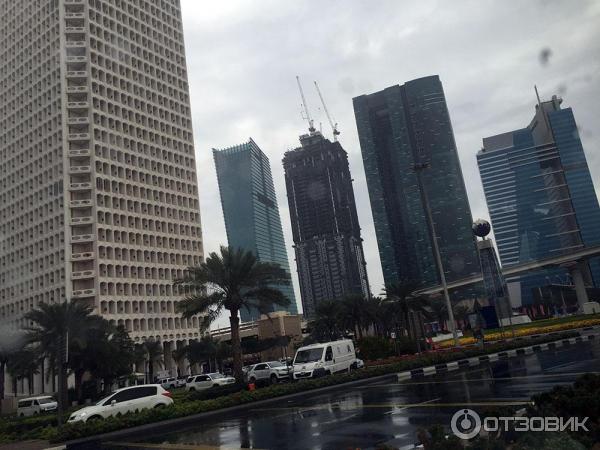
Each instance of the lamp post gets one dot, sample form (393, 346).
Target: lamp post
(418, 168)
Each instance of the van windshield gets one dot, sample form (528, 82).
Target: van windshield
(309, 355)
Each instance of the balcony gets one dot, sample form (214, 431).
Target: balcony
(81, 220)
(73, 170)
(79, 136)
(85, 256)
(82, 293)
(80, 152)
(82, 274)
(82, 238)
(81, 203)
(80, 186)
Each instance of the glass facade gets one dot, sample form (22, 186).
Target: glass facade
(250, 209)
(540, 195)
(327, 242)
(399, 128)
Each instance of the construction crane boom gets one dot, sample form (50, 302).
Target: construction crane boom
(311, 126)
(333, 125)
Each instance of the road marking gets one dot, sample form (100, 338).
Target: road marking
(422, 403)
(168, 446)
(401, 384)
(399, 405)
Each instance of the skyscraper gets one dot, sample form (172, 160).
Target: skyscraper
(250, 209)
(327, 241)
(98, 193)
(540, 196)
(401, 128)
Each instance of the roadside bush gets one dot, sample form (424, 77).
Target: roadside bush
(195, 403)
(375, 347)
(215, 392)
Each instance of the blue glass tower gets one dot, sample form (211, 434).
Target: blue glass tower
(400, 128)
(540, 196)
(250, 209)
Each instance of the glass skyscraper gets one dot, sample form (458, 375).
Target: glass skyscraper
(540, 197)
(250, 209)
(399, 128)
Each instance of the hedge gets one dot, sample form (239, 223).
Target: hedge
(217, 398)
(190, 407)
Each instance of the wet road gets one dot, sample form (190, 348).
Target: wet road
(386, 413)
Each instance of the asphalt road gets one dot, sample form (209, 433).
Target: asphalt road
(385, 413)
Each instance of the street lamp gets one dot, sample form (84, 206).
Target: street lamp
(418, 168)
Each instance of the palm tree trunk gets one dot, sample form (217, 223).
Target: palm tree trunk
(2, 367)
(79, 384)
(236, 346)
(150, 371)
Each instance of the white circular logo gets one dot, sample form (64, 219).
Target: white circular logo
(465, 424)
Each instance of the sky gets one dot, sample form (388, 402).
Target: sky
(243, 57)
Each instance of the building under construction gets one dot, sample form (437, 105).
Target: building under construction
(327, 242)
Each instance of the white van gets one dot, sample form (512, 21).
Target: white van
(321, 359)
(35, 405)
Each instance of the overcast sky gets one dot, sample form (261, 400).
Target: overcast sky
(243, 57)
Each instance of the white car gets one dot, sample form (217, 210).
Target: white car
(206, 381)
(168, 383)
(359, 363)
(123, 401)
(271, 371)
(322, 359)
(36, 405)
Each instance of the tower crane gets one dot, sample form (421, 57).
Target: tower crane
(334, 129)
(311, 126)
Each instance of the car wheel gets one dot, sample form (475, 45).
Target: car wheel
(215, 385)
(273, 379)
(252, 380)
(159, 406)
(94, 418)
(191, 389)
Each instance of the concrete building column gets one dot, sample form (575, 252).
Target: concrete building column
(577, 277)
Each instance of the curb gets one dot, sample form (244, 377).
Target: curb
(476, 361)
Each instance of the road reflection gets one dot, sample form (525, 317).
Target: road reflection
(385, 413)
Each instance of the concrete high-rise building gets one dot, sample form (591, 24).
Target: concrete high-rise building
(402, 128)
(541, 198)
(98, 189)
(327, 242)
(250, 209)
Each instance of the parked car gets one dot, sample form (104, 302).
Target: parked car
(324, 359)
(168, 383)
(123, 401)
(271, 371)
(181, 381)
(36, 405)
(207, 380)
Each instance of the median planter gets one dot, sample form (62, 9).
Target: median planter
(220, 398)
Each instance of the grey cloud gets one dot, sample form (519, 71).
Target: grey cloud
(243, 57)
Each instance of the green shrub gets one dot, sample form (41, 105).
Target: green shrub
(214, 392)
(375, 347)
(193, 403)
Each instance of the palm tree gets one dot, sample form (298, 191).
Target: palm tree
(461, 312)
(438, 311)
(53, 327)
(232, 280)
(354, 313)
(327, 320)
(11, 342)
(24, 364)
(154, 351)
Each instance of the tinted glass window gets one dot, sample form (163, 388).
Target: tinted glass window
(328, 354)
(119, 397)
(260, 367)
(145, 391)
(202, 378)
(24, 403)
